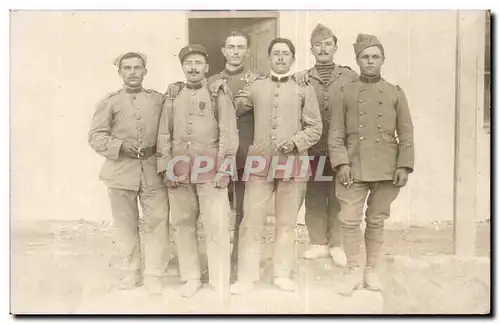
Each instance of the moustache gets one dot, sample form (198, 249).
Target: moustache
(323, 53)
(193, 72)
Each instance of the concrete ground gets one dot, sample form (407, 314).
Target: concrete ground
(65, 267)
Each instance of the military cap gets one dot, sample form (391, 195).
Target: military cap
(194, 48)
(364, 41)
(118, 60)
(321, 32)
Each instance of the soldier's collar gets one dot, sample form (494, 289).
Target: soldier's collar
(194, 86)
(280, 77)
(369, 79)
(234, 72)
(132, 90)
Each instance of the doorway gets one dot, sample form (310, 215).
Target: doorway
(210, 28)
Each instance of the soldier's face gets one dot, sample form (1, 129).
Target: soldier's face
(235, 50)
(324, 50)
(281, 58)
(195, 67)
(370, 61)
(132, 71)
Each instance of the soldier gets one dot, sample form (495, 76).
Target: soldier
(198, 123)
(371, 144)
(322, 207)
(288, 121)
(235, 50)
(123, 130)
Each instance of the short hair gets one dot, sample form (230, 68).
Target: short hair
(237, 33)
(131, 55)
(278, 40)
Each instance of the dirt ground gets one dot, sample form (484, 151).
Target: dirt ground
(65, 267)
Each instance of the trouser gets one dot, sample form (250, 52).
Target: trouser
(155, 209)
(287, 199)
(187, 201)
(322, 208)
(239, 190)
(380, 196)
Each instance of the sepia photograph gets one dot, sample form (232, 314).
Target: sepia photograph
(271, 162)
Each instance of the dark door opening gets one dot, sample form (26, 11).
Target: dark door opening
(211, 33)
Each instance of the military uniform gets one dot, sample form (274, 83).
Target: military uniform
(199, 123)
(321, 204)
(236, 80)
(283, 110)
(133, 117)
(372, 132)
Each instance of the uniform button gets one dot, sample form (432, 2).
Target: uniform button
(276, 94)
(274, 126)
(380, 90)
(326, 97)
(361, 112)
(202, 114)
(361, 126)
(190, 132)
(191, 113)
(361, 101)
(362, 90)
(193, 94)
(188, 143)
(377, 140)
(138, 117)
(361, 138)
(237, 117)
(326, 89)
(379, 114)
(190, 122)
(137, 108)
(273, 137)
(380, 102)
(278, 85)
(133, 97)
(326, 108)
(379, 127)
(275, 105)
(274, 117)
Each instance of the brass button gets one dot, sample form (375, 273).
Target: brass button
(133, 97)
(379, 127)
(274, 126)
(380, 90)
(275, 105)
(326, 98)
(362, 90)
(379, 114)
(361, 138)
(361, 126)
(361, 101)
(188, 143)
(326, 89)
(273, 137)
(380, 102)
(137, 107)
(274, 117)
(377, 140)
(276, 94)
(361, 112)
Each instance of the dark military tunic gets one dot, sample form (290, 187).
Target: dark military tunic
(372, 130)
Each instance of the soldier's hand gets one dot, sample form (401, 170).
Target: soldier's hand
(345, 176)
(221, 180)
(214, 86)
(400, 177)
(130, 150)
(173, 90)
(287, 146)
(171, 184)
(302, 78)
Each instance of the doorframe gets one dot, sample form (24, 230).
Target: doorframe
(225, 14)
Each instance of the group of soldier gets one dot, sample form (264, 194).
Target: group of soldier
(355, 129)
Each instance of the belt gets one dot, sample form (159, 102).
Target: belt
(146, 152)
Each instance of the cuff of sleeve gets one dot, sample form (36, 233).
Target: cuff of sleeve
(299, 144)
(162, 164)
(406, 166)
(113, 147)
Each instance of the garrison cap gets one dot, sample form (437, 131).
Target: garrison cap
(319, 33)
(118, 60)
(364, 41)
(194, 48)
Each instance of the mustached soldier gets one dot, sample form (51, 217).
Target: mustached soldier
(371, 144)
(123, 130)
(198, 123)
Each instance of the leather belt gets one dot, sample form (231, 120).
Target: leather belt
(146, 152)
